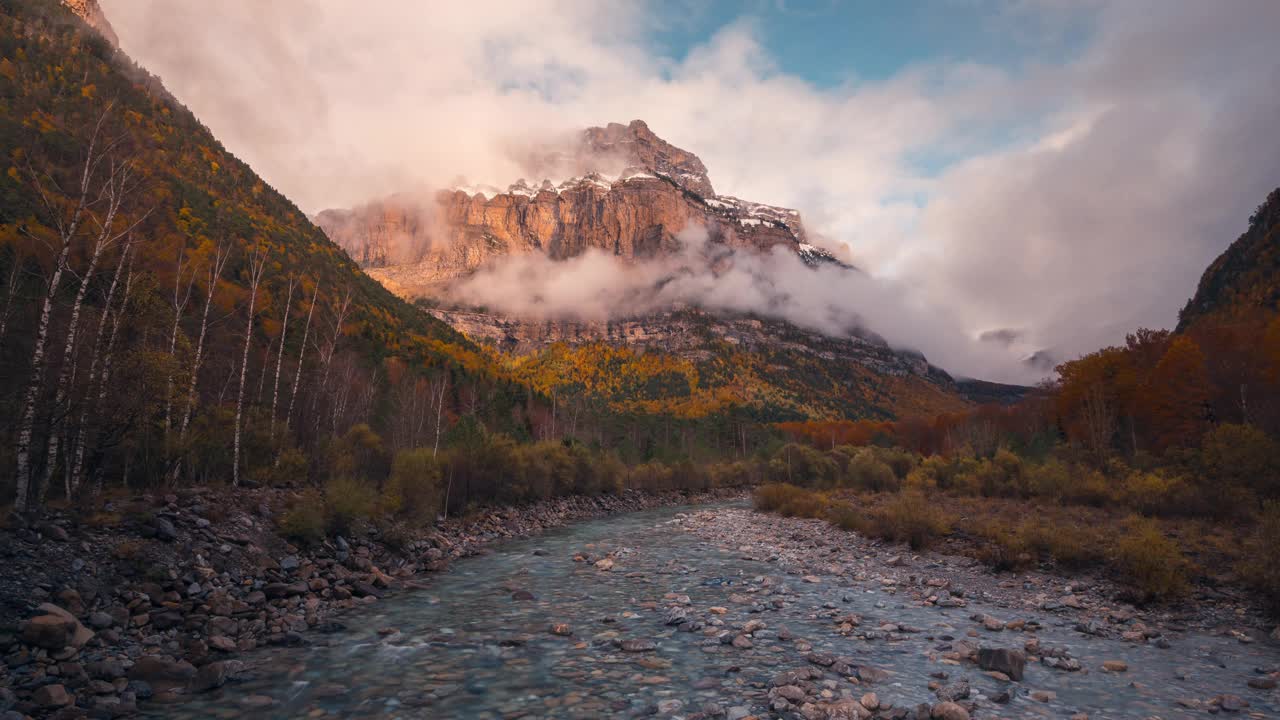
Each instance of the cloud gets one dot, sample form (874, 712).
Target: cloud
(596, 286)
(1073, 196)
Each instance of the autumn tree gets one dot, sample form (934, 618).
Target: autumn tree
(1176, 395)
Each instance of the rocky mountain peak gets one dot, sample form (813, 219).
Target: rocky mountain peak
(91, 13)
(629, 193)
(638, 145)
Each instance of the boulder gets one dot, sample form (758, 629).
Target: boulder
(278, 590)
(50, 632)
(51, 696)
(210, 677)
(1004, 660)
(948, 711)
(79, 633)
(159, 671)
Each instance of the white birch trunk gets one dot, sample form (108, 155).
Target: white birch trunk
(257, 264)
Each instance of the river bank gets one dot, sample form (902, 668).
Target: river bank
(152, 597)
(719, 612)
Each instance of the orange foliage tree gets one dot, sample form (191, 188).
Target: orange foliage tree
(1176, 396)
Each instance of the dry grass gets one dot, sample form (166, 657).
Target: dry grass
(1150, 556)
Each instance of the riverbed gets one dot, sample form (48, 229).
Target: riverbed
(711, 612)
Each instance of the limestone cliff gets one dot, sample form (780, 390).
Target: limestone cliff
(638, 193)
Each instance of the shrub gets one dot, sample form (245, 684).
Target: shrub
(610, 472)
(733, 474)
(899, 461)
(1049, 479)
(360, 453)
(1150, 562)
(867, 472)
(1241, 456)
(789, 501)
(688, 476)
(395, 535)
(1069, 545)
(1005, 547)
(291, 468)
(1000, 476)
(346, 501)
(846, 517)
(650, 476)
(801, 465)
(910, 517)
(304, 522)
(1152, 493)
(1088, 487)
(414, 490)
(944, 473)
(1261, 569)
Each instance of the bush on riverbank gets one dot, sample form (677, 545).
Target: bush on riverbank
(789, 501)
(1004, 534)
(1261, 566)
(1150, 562)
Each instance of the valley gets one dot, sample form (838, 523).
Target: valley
(300, 416)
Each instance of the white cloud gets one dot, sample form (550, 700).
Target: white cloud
(1090, 194)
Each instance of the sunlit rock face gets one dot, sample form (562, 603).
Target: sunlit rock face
(631, 197)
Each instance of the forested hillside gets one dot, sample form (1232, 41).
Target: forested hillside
(163, 310)
(1243, 283)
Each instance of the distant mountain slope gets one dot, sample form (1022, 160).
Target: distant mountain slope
(692, 363)
(1244, 281)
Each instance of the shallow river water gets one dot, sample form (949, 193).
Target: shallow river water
(466, 647)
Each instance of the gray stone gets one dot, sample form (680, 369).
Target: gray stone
(954, 691)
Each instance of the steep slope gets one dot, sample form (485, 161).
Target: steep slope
(138, 291)
(1244, 281)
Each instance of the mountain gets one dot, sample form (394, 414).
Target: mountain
(1243, 283)
(631, 195)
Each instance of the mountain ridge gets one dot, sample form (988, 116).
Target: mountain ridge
(630, 194)
(1244, 280)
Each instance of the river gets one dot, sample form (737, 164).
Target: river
(473, 645)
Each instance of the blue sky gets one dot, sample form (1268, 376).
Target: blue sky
(832, 42)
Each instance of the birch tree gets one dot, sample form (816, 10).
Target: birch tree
(99, 366)
(438, 390)
(10, 291)
(213, 274)
(257, 268)
(284, 330)
(66, 212)
(181, 297)
(118, 187)
(302, 351)
(327, 352)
